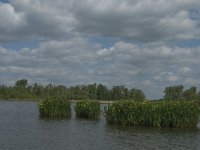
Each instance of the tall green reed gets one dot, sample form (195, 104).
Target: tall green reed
(55, 107)
(177, 114)
(88, 109)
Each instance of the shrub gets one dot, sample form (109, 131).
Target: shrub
(88, 109)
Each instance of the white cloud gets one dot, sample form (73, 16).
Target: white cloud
(167, 77)
(192, 82)
(179, 26)
(184, 70)
(147, 83)
(9, 18)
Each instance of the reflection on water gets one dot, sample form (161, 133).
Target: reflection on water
(21, 128)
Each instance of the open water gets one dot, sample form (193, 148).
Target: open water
(21, 128)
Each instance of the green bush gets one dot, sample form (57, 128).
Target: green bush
(55, 107)
(177, 114)
(88, 109)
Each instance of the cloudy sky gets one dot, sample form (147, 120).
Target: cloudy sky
(147, 44)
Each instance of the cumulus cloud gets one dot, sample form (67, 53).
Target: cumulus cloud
(144, 20)
(25, 19)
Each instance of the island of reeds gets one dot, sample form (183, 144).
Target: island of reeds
(54, 108)
(88, 109)
(176, 114)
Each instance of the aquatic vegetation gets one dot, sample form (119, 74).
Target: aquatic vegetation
(177, 114)
(88, 109)
(55, 107)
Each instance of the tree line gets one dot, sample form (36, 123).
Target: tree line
(21, 90)
(178, 93)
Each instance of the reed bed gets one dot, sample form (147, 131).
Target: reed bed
(176, 114)
(55, 107)
(88, 109)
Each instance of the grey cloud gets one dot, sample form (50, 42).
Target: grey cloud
(138, 20)
(144, 20)
(27, 19)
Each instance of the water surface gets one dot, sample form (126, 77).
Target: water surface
(21, 128)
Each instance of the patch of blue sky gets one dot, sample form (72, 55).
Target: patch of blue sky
(17, 45)
(4, 1)
(188, 43)
(105, 42)
(194, 14)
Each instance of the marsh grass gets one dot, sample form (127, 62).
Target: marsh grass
(88, 109)
(176, 114)
(55, 108)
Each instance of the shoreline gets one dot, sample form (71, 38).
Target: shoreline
(71, 101)
(101, 101)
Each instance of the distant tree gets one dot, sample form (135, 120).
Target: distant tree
(137, 94)
(37, 90)
(190, 94)
(3, 91)
(119, 92)
(21, 83)
(20, 90)
(126, 93)
(198, 96)
(173, 92)
(92, 90)
(102, 92)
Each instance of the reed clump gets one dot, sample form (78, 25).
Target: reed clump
(88, 109)
(176, 114)
(55, 107)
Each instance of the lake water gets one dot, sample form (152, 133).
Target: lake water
(21, 128)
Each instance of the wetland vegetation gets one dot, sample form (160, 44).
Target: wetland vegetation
(55, 107)
(87, 109)
(176, 114)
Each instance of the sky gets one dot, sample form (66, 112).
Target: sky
(145, 44)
